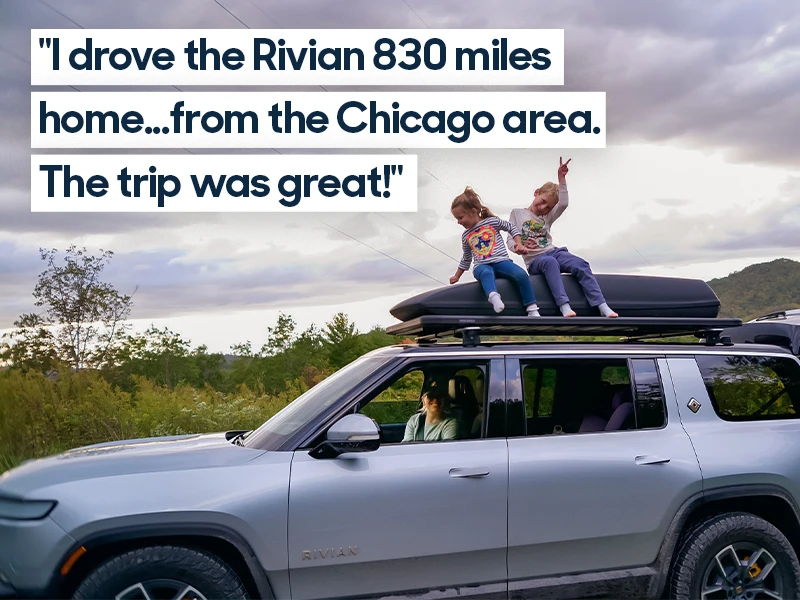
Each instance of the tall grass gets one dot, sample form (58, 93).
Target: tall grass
(42, 415)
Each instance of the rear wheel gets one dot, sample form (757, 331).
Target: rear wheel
(735, 556)
(162, 573)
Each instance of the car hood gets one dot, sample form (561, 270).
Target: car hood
(125, 457)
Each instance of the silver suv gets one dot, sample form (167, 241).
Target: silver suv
(628, 468)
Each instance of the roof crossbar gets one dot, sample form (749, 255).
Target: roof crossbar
(470, 328)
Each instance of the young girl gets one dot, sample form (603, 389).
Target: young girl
(542, 257)
(483, 241)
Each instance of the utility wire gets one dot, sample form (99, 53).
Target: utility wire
(637, 251)
(15, 55)
(416, 13)
(223, 7)
(54, 9)
(384, 254)
(424, 241)
(265, 13)
(26, 61)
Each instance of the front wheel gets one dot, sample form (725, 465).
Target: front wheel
(735, 556)
(162, 572)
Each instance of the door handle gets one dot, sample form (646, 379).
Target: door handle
(458, 472)
(651, 460)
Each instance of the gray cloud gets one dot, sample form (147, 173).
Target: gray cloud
(164, 284)
(674, 202)
(717, 74)
(682, 238)
(711, 75)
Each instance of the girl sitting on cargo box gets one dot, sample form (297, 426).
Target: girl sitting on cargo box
(483, 242)
(542, 257)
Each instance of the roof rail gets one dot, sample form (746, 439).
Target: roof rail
(470, 328)
(778, 314)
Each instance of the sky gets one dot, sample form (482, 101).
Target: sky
(700, 176)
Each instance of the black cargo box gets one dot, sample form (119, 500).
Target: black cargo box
(628, 295)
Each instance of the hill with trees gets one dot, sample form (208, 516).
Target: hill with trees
(759, 289)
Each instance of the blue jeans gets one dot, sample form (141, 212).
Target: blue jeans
(558, 260)
(508, 270)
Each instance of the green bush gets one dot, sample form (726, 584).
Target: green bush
(42, 415)
(154, 384)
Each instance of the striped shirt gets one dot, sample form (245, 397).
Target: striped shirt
(484, 242)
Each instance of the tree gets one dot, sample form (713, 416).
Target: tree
(209, 367)
(281, 337)
(30, 346)
(341, 341)
(165, 358)
(85, 314)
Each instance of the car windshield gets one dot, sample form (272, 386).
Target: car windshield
(312, 403)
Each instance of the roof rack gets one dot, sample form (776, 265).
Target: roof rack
(470, 328)
(776, 331)
(778, 314)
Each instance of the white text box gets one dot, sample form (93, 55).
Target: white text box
(485, 57)
(343, 183)
(321, 120)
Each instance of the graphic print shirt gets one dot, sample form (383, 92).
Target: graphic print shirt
(484, 242)
(535, 229)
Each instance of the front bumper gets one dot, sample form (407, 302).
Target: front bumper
(31, 553)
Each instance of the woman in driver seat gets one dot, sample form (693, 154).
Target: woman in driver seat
(433, 423)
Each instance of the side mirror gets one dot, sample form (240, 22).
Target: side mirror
(351, 433)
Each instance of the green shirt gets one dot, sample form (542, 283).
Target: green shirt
(443, 429)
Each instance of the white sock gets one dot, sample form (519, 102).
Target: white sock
(565, 308)
(605, 310)
(533, 310)
(497, 302)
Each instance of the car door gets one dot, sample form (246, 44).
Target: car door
(408, 516)
(741, 410)
(598, 466)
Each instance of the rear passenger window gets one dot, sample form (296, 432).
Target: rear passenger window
(752, 388)
(539, 384)
(590, 395)
(649, 395)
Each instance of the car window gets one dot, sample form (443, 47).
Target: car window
(399, 401)
(313, 403)
(564, 396)
(456, 390)
(538, 385)
(752, 388)
(616, 375)
(648, 395)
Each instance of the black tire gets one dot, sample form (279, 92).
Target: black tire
(162, 566)
(696, 568)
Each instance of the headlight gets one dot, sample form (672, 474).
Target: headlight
(14, 508)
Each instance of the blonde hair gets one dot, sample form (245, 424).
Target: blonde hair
(549, 188)
(470, 200)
